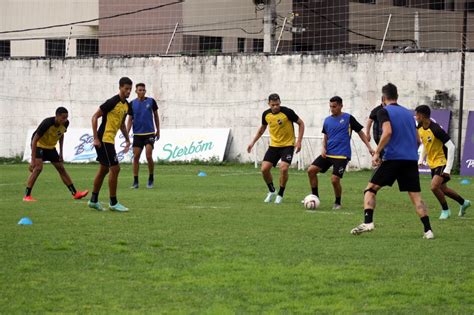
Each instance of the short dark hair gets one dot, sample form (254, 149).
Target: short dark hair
(61, 110)
(390, 91)
(424, 110)
(273, 97)
(140, 84)
(336, 99)
(125, 80)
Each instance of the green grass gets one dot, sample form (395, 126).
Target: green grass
(210, 245)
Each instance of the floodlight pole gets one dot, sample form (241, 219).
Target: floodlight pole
(269, 18)
(281, 33)
(461, 88)
(172, 37)
(417, 29)
(386, 31)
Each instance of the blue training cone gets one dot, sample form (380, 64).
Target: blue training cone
(201, 174)
(25, 221)
(465, 182)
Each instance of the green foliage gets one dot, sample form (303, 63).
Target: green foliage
(209, 245)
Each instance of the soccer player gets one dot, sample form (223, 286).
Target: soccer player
(373, 123)
(336, 152)
(400, 141)
(43, 148)
(282, 143)
(113, 113)
(439, 150)
(144, 111)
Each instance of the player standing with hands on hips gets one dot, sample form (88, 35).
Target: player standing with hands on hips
(143, 115)
(280, 120)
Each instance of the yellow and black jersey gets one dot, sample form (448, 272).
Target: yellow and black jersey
(282, 133)
(114, 111)
(49, 133)
(433, 139)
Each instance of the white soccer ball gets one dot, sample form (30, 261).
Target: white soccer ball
(311, 202)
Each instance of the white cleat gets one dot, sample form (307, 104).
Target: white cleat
(428, 235)
(278, 199)
(361, 228)
(269, 197)
(336, 207)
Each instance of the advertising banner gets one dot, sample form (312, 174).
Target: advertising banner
(173, 145)
(467, 161)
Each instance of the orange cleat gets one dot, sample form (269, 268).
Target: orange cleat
(80, 194)
(29, 199)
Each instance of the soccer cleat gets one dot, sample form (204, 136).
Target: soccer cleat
(269, 197)
(134, 186)
(445, 214)
(29, 199)
(462, 209)
(95, 205)
(336, 206)
(278, 199)
(361, 228)
(118, 207)
(150, 184)
(80, 194)
(428, 235)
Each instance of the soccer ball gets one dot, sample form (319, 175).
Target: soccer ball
(311, 202)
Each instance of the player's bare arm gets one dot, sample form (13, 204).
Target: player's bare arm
(157, 124)
(384, 139)
(300, 123)
(364, 139)
(95, 118)
(124, 131)
(260, 133)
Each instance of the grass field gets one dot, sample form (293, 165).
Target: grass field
(209, 245)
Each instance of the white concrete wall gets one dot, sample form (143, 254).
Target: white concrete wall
(226, 91)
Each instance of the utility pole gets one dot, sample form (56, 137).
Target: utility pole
(269, 22)
(461, 88)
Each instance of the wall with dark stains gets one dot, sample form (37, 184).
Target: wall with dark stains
(230, 91)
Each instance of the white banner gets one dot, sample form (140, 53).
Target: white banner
(173, 145)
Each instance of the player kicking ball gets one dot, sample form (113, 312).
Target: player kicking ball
(280, 119)
(43, 148)
(438, 149)
(399, 141)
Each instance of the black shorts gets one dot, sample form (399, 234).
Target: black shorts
(405, 172)
(139, 141)
(439, 171)
(338, 165)
(106, 154)
(274, 154)
(47, 155)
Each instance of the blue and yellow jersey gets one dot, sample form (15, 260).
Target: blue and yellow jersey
(433, 139)
(114, 111)
(142, 113)
(338, 130)
(49, 133)
(282, 132)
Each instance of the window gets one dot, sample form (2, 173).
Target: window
(241, 44)
(88, 47)
(401, 3)
(437, 5)
(257, 45)
(5, 49)
(364, 1)
(208, 44)
(55, 48)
